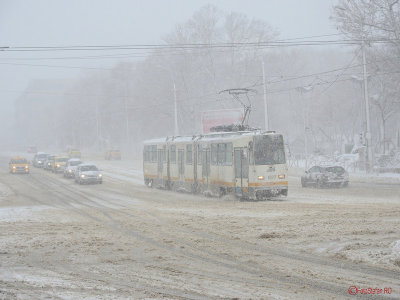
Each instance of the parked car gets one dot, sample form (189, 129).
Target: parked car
(88, 173)
(113, 155)
(325, 176)
(70, 167)
(18, 165)
(38, 159)
(58, 163)
(48, 162)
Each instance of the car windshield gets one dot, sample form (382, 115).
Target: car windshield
(89, 168)
(269, 150)
(62, 159)
(19, 161)
(336, 170)
(74, 163)
(41, 156)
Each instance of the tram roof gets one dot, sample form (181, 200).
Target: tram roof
(207, 137)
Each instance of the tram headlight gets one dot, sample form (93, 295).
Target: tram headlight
(281, 176)
(260, 177)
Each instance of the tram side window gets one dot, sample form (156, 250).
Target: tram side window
(199, 149)
(189, 154)
(228, 154)
(214, 152)
(146, 157)
(221, 154)
(172, 154)
(153, 153)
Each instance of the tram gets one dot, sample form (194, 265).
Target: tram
(248, 164)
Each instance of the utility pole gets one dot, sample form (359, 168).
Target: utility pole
(266, 121)
(366, 98)
(176, 132)
(97, 122)
(127, 121)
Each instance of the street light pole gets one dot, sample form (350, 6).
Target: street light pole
(176, 132)
(266, 121)
(303, 90)
(366, 98)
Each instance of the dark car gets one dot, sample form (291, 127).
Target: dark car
(47, 162)
(38, 159)
(325, 176)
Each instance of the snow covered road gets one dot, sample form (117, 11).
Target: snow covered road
(122, 240)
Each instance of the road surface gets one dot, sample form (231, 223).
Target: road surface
(122, 240)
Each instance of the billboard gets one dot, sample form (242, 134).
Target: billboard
(213, 118)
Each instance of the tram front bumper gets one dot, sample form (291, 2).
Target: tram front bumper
(265, 192)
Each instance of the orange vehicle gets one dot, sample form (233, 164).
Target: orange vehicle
(19, 165)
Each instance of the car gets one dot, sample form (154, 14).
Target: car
(88, 173)
(18, 165)
(38, 159)
(113, 155)
(47, 163)
(32, 149)
(70, 167)
(58, 163)
(325, 176)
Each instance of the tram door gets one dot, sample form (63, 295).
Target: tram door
(160, 165)
(205, 165)
(241, 171)
(181, 164)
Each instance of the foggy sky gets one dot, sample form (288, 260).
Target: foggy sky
(101, 22)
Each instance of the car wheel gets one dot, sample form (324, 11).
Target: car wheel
(303, 183)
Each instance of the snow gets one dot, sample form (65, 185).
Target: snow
(14, 214)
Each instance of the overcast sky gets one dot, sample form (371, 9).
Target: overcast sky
(106, 22)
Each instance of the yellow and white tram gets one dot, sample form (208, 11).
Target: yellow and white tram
(248, 164)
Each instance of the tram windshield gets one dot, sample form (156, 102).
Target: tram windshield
(269, 150)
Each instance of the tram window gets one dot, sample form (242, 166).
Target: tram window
(228, 154)
(199, 149)
(221, 154)
(153, 153)
(145, 153)
(269, 150)
(251, 153)
(214, 151)
(172, 154)
(189, 154)
(164, 153)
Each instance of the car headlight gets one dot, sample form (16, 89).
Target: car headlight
(69, 171)
(100, 175)
(39, 161)
(14, 167)
(260, 177)
(281, 176)
(26, 167)
(83, 176)
(57, 165)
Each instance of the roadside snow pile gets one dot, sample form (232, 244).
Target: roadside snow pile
(15, 214)
(396, 250)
